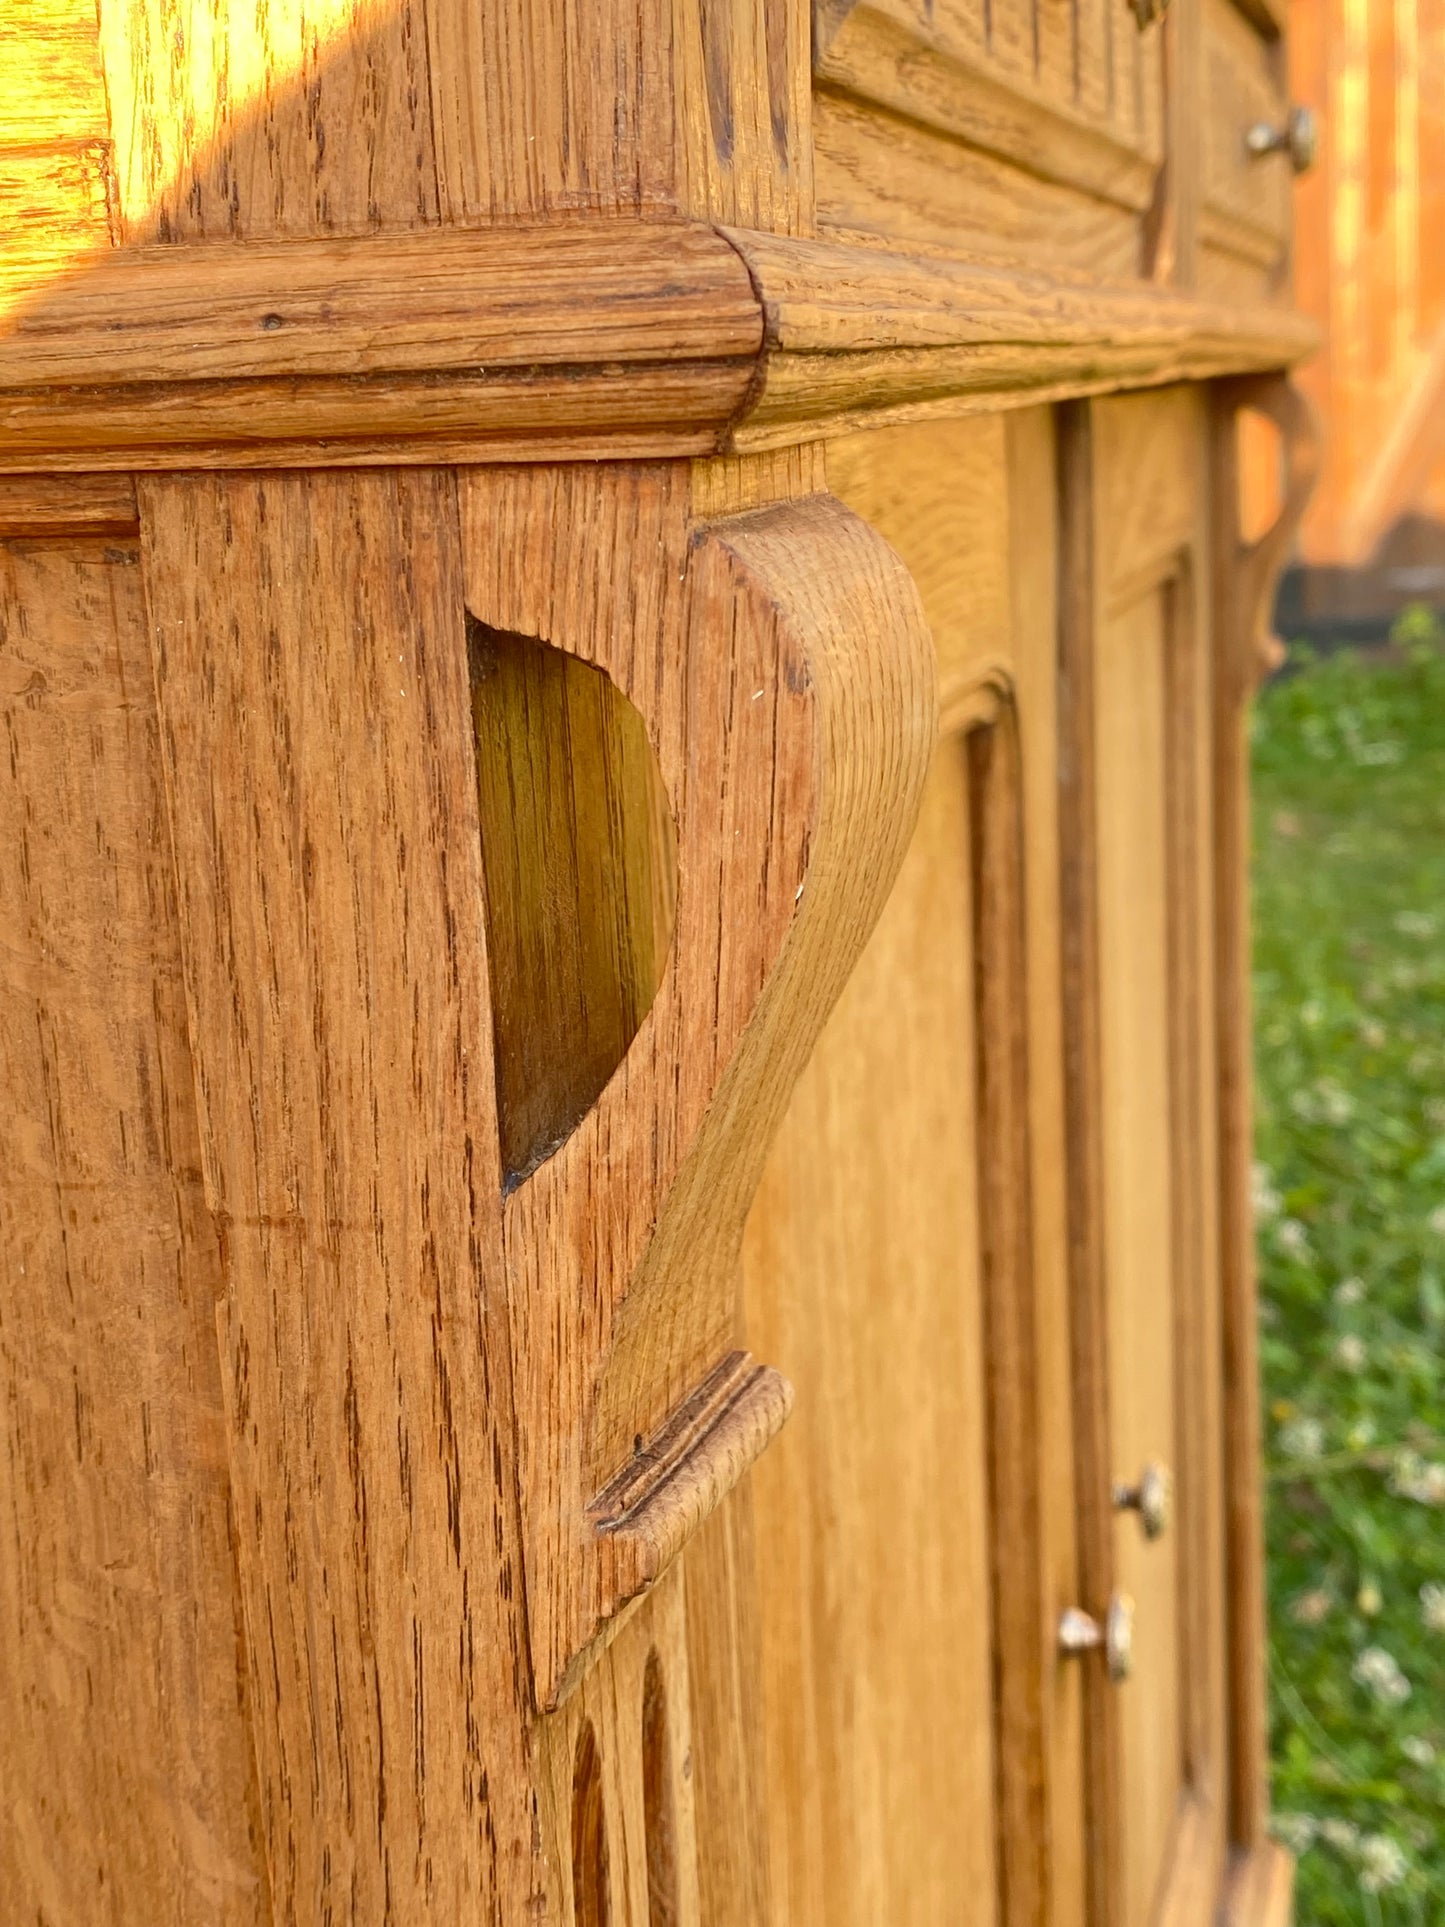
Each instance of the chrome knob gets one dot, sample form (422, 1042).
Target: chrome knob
(1152, 1498)
(1080, 1633)
(1298, 136)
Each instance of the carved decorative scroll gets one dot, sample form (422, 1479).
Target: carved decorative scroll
(783, 668)
(1257, 564)
(1244, 650)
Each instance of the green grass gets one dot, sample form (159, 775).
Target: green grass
(1349, 987)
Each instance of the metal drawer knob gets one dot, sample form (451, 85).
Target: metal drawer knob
(1152, 1498)
(1299, 137)
(1080, 1632)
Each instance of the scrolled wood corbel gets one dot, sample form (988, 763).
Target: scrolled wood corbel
(1256, 565)
(784, 670)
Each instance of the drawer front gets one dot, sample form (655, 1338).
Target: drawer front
(1021, 128)
(1244, 230)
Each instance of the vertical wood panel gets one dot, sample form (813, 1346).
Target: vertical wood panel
(1082, 1062)
(1024, 1657)
(623, 106)
(243, 119)
(1142, 1289)
(311, 663)
(1033, 612)
(862, 1276)
(1232, 680)
(126, 1766)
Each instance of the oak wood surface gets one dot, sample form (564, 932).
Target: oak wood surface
(1149, 1330)
(1241, 592)
(862, 1279)
(126, 1768)
(316, 724)
(790, 733)
(624, 339)
(56, 505)
(861, 1189)
(1078, 752)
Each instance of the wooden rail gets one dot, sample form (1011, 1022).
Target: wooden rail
(584, 340)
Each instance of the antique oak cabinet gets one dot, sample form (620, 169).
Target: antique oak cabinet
(624, 635)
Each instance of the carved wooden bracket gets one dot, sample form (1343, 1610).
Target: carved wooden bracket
(1257, 564)
(782, 665)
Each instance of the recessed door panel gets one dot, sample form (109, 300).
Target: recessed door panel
(1135, 1102)
(862, 1269)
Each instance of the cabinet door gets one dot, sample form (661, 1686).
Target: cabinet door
(905, 1266)
(1142, 1131)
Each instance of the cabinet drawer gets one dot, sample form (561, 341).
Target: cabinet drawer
(1022, 129)
(1244, 229)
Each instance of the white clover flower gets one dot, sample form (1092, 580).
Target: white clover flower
(1379, 1672)
(1335, 1103)
(1298, 1831)
(1417, 1748)
(1382, 754)
(1360, 1434)
(1291, 1236)
(1370, 1600)
(1351, 1354)
(1382, 1862)
(1422, 1480)
(1267, 1201)
(1311, 1013)
(1432, 1606)
(1311, 1607)
(1342, 1835)
(1373, 1033)
(1415, 923)
(1350, 1291)
(1302, 1438)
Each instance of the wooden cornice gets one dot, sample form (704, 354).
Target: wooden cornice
(611, 340)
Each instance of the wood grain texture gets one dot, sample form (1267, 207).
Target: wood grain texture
(1151, 1342)
(1032, 452)
(1088, 65)
(865, 1275)
(636, 1705)
(56, 179)
(789, 731)
(235, 119)
(623, 107)
(617, 341)
(1244, 200)
(1025, 110)
(863, 1280)
(311, 662)
(1241, 592)
(939, 492)
(1024, 1617)
(128, 1786)
(57, 505)
(1260, 1892)
(886, 178)
(352, 116)
(859, 335)
(580, 853)
(420, 304)
(1085, 1173)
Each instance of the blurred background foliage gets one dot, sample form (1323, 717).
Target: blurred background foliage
(1349, 936)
